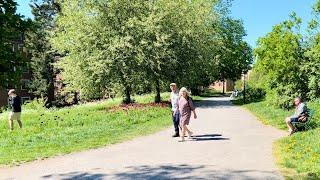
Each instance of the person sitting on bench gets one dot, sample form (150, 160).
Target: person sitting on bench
(300, 115)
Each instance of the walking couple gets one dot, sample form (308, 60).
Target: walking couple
(182, 106)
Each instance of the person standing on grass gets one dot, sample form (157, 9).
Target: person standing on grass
(299, 115)
(174, 101)
(185, 107)
(15, 104)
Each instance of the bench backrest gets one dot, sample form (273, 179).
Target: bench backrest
(310, 114)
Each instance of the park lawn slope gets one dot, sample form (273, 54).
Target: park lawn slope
(297, 155)
(48, 133)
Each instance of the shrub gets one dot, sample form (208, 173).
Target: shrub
(238, 84)
(254, 94)
(38, 104)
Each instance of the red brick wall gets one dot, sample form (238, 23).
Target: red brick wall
(218, 85)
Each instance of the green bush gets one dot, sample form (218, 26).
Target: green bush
(254, 94)
(38, 104)
(238, 84)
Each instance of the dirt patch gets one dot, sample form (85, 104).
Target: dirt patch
(133, 106)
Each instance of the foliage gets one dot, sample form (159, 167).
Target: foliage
(238, 84)
(279, 63)
(312, 65)
(12, 28)
(37, 104)
(235, 55)
(41, 52)
(254, 94)
(287, 64)
(137, 46)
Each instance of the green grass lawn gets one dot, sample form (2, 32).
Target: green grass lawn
(214, 93)
(297, 155)
(53, 132)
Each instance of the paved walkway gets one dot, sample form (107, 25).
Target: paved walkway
(229, 143)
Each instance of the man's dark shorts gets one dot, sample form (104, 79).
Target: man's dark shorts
(294, 119)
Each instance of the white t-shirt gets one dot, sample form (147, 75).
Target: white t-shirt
(174, 96)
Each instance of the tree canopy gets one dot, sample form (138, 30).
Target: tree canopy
(12, 28)
(41, 52)
(127, 47)
(287, 62)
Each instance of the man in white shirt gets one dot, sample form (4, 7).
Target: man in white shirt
(174, 96)
(300, 115)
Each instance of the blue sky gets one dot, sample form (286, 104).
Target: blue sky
(258, 15)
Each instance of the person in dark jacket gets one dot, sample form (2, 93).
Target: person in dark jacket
(15, 104)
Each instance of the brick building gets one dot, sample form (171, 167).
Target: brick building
(228, 85)
(22, 87)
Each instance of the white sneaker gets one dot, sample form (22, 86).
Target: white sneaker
(190, 135)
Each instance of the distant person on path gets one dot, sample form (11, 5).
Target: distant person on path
(15, 104)
(174, 96)
(299, 115)
(185, 107)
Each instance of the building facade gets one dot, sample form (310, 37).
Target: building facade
(22, 87)
(228, 85)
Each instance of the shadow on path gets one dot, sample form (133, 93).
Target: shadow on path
(182, 171)
(208, 137)
(214, 102)
(76, 176)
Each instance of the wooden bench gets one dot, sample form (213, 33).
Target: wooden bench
(307, 124)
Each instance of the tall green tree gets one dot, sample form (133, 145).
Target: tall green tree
(12, 28)
(179, 43)
(234, 55)
(127, 46)
(79, 36)
(312, 53)
(42, 54)
(279, 62)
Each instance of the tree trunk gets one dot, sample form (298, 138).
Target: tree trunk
(195, 91)
(50, 89)
(127, 98)
(50, 93)
(157, 99)
(75, 98)
(223, 87)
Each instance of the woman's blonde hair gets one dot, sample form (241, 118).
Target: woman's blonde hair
(183, 89)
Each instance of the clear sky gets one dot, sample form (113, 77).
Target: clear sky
(258, 15)
(24, 8)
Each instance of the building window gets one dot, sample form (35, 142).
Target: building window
(10, 86)
(25, 83)
(25, 69)
(20, 47)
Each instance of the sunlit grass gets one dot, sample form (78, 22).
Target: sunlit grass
(52, 132)
(297, 155)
